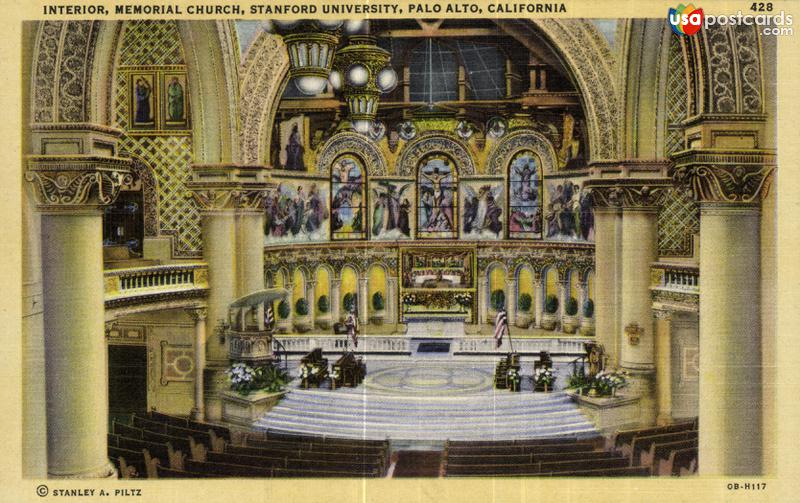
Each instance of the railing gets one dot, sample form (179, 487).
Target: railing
(675, 278)
(161, 280)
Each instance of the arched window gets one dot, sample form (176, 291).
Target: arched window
(525, 196)
(348, 199)
(437, 187)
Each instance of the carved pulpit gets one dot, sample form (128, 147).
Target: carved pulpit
(249, 339)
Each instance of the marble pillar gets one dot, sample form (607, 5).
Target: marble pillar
(538, 299)
(310, 288)
(199, 316)
(511, 301)
(607, 268)
(250, 236)
(336, 309)
(71, 193)
(663, 336)
(364, 302)
(483, 300)
(391, 300)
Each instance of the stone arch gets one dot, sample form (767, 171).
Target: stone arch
(262, 79)
(352, 143)
(435, 142)
(524, 139)
(591, 63)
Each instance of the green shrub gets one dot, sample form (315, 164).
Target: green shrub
(524, 302)
(349, 302)
(284, 310)
(323, 306)
(551, 304)
(571, 307)
(301, 307)
(498, 300)
(377, 301)
(588, 308)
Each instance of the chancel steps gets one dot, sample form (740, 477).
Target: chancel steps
(485, 416)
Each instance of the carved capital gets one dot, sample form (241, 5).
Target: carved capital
(725, 176)
(229, 187)
(79, 182)
(631, 193)
(662, 314)
(198, 313)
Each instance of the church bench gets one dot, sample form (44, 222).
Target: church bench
(299, 473)
(525, 442)
(135, 463)
(165, 452)
(314, 360)
(206, 437)
(126, 431)
(629, 471)
(185, 443)
(586, 464)
(183, 422)
(169, 473)
(339, 464)
(349, 371)
(685, 459)
(492, 470)
(314, 446)
(353, 456)
(661, 450)
(522, 449)
(146, 424)
(226, 470)
(319, 439)
(529, 458)
(625, 437)
(643, 443)
(573, 456)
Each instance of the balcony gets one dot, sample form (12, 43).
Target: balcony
(675, 286)
(156, 287)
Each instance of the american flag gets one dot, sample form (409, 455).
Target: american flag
(352, 327)
(500, 327)
(269, 317)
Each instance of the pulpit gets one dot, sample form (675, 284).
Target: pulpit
(249, 338)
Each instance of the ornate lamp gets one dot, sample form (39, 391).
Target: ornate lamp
(363, 73)
(311, 45)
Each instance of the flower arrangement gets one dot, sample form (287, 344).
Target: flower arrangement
(409, 299)
(323, 304)
(551, 304)
(463, 299)
(245, 379)
(377, 301)
(544, 377)
(606, 383)
(301, 307)
(349, 301)
(283, 309)
(524, 303)
(571, 307)
(498, 299)
(588, 308)
(578, 379)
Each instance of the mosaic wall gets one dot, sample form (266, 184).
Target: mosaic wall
(151, 106)
(392, 215)
(297, 212)
(482, 209)
(568, 214)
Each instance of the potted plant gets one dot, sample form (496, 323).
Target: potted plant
(549, 318)
(544, 379)
(524, 311)
(570, 322)
(283, 325)
(497, 301)
(378, 309)
(302, 322)
(349, 302)
(324, 309)
(587, 322)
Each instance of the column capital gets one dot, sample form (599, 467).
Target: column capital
(725, 176)
(229, 187)
(198, 313)
(75, 183)
(662, 314)
(635, 184)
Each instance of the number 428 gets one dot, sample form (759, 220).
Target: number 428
(761, 7)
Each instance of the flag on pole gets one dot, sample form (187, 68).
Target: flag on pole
(269, 317)
(352, 327)
(500, 327)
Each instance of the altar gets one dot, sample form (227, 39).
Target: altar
(438, 284)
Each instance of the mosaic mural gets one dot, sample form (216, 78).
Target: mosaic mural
(482, 209)
(297, 212)
(568, 212)
(392, 211)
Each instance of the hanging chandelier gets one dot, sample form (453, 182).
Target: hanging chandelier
(363, 73)
(311, 45)
(360, 69)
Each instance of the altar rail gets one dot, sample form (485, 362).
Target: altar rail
(675, 287)
(478, 345)
(160, 282)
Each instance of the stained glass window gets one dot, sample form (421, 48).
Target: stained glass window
(437, 207)
(525, 196)
(348, 199)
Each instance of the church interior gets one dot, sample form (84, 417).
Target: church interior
(397, 248)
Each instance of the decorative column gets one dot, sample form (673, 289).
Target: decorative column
(563, 296)
(638, 187)
(336, 310)
(663, 329)
(538, 298)
(391, 300)
(290, 301)
(583, 296)
(310, 286)
(483, 300)
(607, 244)
(511, 301)
(363, 303)
(729, 187)
(70, 192)
(230, 199)
(199, 315)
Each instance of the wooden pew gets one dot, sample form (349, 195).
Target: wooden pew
(643, 443)
(314, 360)
(316, 439)
(317, 447)
(630, 471)
(226, 470)
(625, 437)
(134, 464)
(661, 451)
(173, 458)
(169, 473)
(526, 441)
(685, 459)
(349, 371)
(355, 457)
(182, 422)
(508, 362)
(537, 468)
(521, 449)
